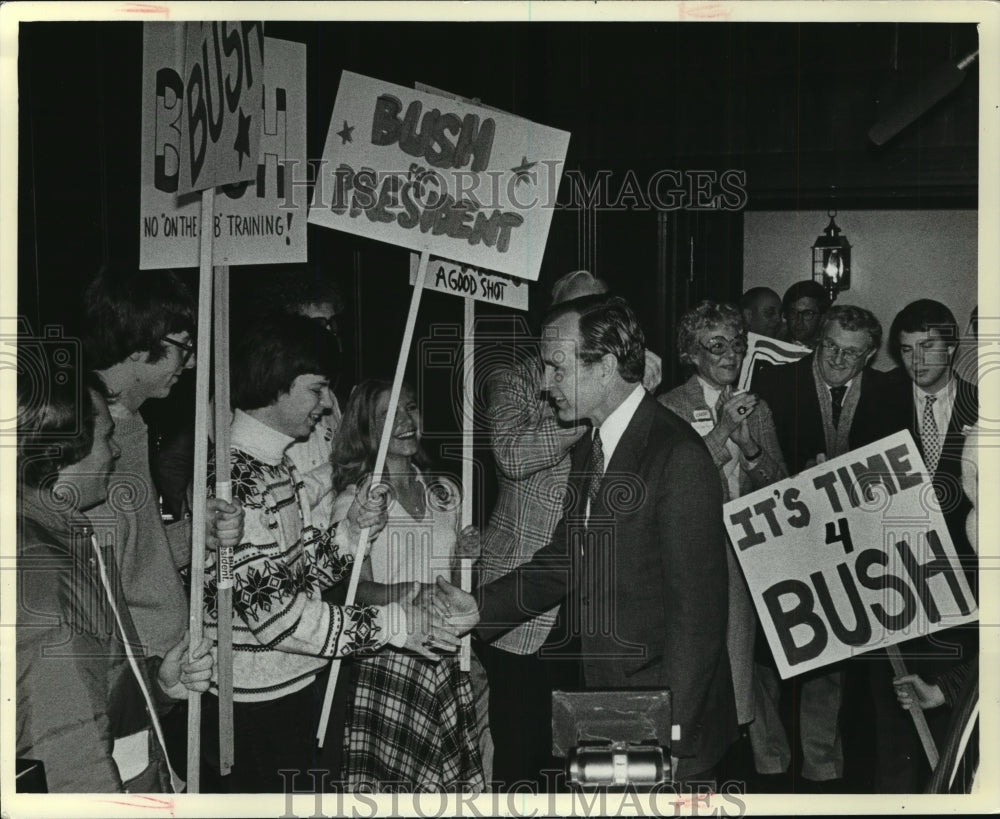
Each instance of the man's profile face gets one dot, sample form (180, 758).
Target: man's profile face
(297, 411)
(926, 357)
(842, 353)
(158, 377)
(573, 385)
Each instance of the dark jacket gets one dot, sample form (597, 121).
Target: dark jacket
(647, 580)
(790, 392)
(947, 478)
(76, 692)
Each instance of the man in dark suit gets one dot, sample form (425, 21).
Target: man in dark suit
(641, 548)
(824, 405)
(937, 406)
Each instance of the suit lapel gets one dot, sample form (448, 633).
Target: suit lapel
(630, 448)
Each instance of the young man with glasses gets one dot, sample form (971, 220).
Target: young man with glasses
(138, 333)
(825, 405)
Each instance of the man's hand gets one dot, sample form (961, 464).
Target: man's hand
(468, 544)
(427, 632)
(913, 691)
(461, 612)
(223, 524)
(176, 677)
(369, 509)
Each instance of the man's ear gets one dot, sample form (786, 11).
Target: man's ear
(139, 355)
(609, 364)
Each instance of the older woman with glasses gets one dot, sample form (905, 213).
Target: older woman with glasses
(739, 432)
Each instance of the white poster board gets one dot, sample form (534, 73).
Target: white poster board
(849, 556)
(457, 180)
(220, 119)
(255, 222)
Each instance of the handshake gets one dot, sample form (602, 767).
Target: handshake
(437, 616)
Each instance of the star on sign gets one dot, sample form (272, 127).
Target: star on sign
(346, 134)
(242, 143)
(523, 172)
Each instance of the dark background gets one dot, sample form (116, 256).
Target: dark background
(788, 104)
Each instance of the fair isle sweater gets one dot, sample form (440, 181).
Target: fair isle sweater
(283, 631)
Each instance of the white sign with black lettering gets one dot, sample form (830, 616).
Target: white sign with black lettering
(849, 556)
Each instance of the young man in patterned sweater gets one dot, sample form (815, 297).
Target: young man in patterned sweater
(284, 632)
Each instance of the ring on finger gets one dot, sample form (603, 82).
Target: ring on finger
(742, 410)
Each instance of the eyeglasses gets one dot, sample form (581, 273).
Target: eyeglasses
(850, 354)
(719, 346)
(186, 348)
(805, 315)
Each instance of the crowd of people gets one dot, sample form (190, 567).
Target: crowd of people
(604, 563)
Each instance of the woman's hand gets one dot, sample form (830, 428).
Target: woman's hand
(469, 543)
(732, 410)
(369, 509)
(176, 677)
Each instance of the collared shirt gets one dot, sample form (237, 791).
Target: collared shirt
(614, 425)
(258, 439)
(942, 406)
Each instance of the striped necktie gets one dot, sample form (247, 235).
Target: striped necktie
(837, 400)
(596, 467)
(930, 435)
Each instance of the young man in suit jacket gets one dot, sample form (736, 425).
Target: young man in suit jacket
(825, 405)
(641, 549)
(938, 407)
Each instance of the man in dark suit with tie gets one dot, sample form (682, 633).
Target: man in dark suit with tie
(937, 406)
(641, 548)
(824, 405)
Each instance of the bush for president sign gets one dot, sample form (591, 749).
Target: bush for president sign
(458, 180)
(849, 556)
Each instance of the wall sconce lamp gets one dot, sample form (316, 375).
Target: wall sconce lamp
(831, 259)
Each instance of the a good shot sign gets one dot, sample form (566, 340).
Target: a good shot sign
(457, 180)
(468, 282)
(849, 556)
(255, 221)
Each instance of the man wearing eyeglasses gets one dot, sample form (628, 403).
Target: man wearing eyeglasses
(138, 329)
(803, 307)
(825, 405)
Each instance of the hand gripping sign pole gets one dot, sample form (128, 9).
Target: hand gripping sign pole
(383, 449)
(919, 720)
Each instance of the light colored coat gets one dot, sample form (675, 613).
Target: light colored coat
(768, 468)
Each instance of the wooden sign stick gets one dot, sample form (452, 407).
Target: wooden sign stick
(198, 503)
(919, 720)
(383, 449)
(468, 401)
(223, 490)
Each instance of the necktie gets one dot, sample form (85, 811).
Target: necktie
(837, 397)
(596, 467)
(930, 435)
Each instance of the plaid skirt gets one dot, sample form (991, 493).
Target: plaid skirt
(411, 726)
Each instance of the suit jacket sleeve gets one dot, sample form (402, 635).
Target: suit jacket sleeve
(770, 466)
(695, 581)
